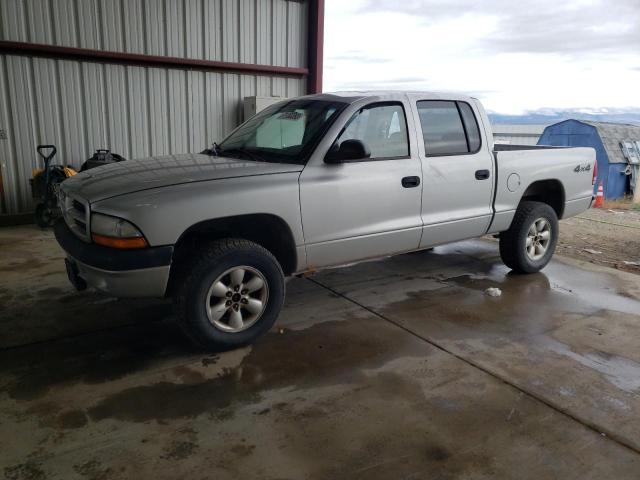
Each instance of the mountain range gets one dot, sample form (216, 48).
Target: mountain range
(549, 116)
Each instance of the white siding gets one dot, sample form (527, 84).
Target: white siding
(135, 111)
(517, 134)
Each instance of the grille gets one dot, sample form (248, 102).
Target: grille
(76, 215)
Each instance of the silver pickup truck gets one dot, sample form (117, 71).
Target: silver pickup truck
(311, 183)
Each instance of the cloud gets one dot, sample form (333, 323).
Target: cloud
(393, 83)
(357, 56)
(544, 26)
(513, 56)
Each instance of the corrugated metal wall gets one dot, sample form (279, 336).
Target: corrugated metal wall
(135, 111)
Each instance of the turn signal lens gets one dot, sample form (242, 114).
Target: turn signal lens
(115, 232)
(122, 243)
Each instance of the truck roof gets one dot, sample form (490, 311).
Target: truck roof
(353, 95)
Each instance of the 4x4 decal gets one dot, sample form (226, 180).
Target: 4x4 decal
(582, 168)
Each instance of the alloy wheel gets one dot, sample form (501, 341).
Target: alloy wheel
(538, 239)
(237, 299)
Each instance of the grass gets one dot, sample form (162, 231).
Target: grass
(623, 203)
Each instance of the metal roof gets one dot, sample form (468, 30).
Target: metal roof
(614, 133)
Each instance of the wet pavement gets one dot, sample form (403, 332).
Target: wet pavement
(400, 368)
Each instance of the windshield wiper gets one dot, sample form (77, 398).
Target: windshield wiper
(246, 153)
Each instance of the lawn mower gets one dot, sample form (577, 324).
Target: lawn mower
(44, 187)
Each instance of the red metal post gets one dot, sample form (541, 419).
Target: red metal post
(316, 46)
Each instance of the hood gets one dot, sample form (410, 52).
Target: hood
(132, 176)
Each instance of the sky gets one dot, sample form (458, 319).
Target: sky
(515, 56)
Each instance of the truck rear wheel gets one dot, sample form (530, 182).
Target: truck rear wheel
(529, 243)
(229, 294)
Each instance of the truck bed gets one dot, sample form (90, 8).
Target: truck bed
(528, 170)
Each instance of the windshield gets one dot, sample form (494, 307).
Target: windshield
(284, 132)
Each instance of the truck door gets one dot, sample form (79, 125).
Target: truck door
(458, 175)
(369, 207)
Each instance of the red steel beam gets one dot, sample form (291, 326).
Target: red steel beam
(316, 46)
(140, 60)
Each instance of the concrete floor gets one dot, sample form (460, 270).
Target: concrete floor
(400, 368)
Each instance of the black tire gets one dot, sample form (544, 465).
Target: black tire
(44, 216)
(195, 277)
(513, 242)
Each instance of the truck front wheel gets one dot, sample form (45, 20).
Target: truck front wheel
(529, 243)
(229, 293)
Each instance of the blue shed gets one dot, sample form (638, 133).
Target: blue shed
(606, 138)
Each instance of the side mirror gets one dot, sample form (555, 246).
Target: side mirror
(349, 150)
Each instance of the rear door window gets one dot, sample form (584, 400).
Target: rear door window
(471, 126)
(448, 127)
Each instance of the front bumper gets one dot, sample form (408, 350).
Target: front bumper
(121, 273)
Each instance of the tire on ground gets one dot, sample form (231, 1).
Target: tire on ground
(44, 216)
(513, 241)
(197, 275)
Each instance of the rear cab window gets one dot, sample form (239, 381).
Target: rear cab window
(448, 127)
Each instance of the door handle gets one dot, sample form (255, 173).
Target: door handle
(410, 182)
(482, 174)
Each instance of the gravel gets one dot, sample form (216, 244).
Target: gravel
(608, 237)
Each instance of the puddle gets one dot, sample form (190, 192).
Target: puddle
(330, 353)
(620, 371)
(571, 290)
(94, 359)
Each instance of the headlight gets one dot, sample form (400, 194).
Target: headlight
(115, 232)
